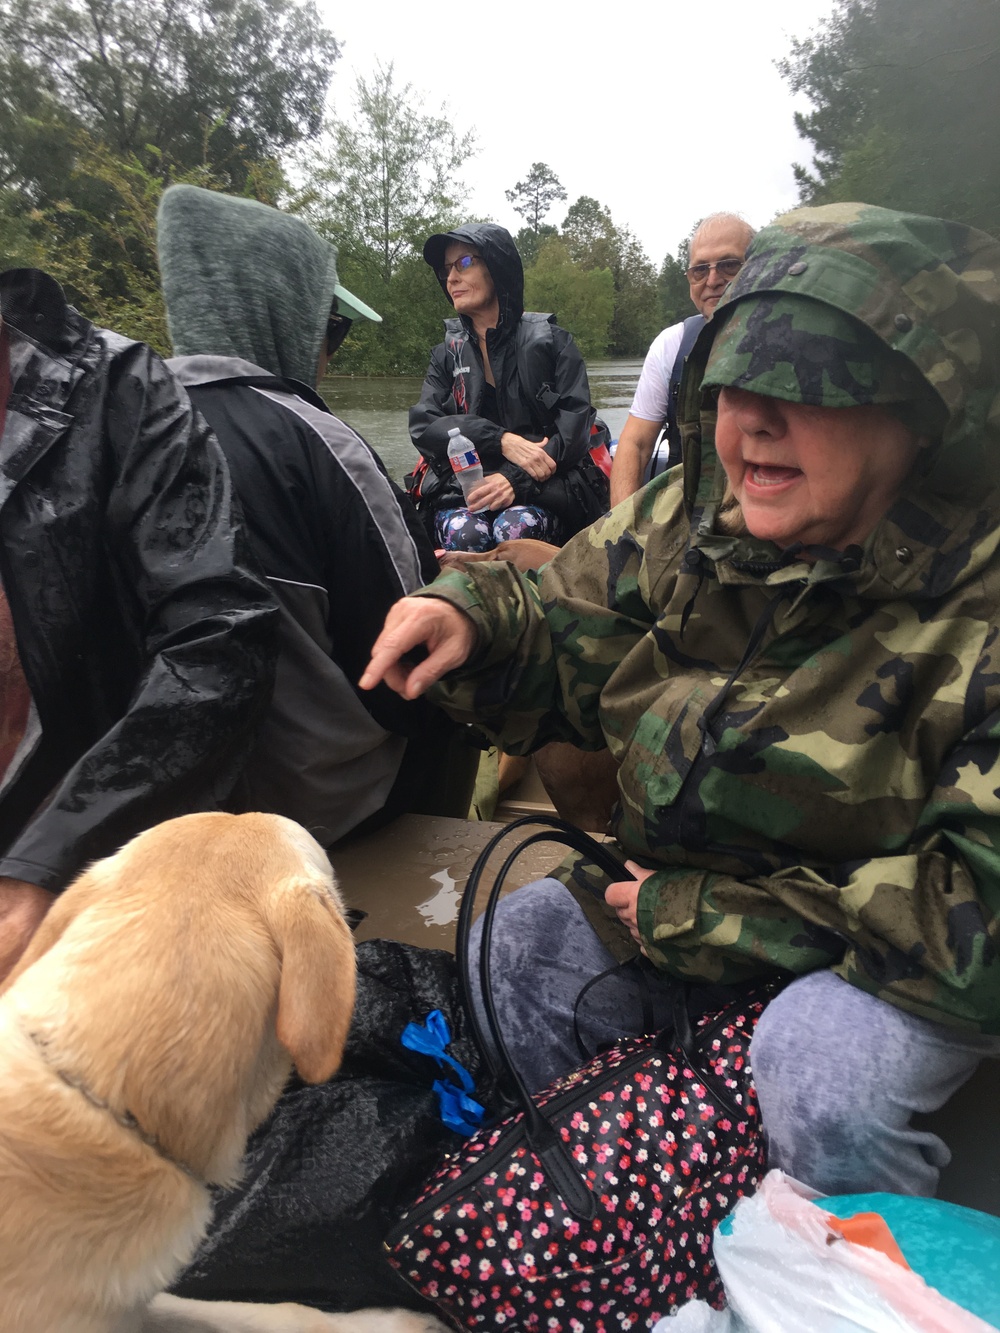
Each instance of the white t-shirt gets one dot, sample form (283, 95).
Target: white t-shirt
(652, 393)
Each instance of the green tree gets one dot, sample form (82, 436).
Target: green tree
(412, 307)
(100, 242)
(528, 242)
(594, 241)
(589, 233)
(103, 104)
(389, 177)
(177, 84)
(583, 300)
(674, 291)
(534, 196)
(636, 320)
(903, 97)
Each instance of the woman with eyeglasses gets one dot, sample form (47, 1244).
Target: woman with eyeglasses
(516, 386)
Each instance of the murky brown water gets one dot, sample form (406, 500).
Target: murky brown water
(377, 408)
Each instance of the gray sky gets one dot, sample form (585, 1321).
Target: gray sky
(598, 94)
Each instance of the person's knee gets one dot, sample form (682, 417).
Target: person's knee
(461, 530)
(527, 917)
(523, 522)
(830, 1067)
(810, 1062)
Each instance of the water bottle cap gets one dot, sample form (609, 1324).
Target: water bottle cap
(454, 431)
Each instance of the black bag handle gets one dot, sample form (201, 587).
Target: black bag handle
(558, 831)
(540, 1133)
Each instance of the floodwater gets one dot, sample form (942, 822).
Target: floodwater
(377, 408)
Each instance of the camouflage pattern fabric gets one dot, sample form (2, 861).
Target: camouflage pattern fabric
(805, 351)
(809, 752)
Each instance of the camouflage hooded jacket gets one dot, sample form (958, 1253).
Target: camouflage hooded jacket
(809, 753)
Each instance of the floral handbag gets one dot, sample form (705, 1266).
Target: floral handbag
(591, 1207)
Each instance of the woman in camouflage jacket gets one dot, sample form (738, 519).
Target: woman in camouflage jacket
(792, 651)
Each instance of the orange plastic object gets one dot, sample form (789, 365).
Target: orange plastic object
(870, 1230)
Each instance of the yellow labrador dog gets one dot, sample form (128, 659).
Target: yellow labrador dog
(148, 1029)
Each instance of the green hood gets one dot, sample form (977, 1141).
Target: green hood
(244, 280)
(928, 290)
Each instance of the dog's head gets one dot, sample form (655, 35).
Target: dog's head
(179, 978)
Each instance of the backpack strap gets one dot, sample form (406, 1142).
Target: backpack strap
(693, 325)
(457, 342)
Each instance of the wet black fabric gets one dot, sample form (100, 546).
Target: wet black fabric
(333, 1168)
(146, 636)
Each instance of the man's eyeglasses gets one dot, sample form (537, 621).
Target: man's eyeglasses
(726, 268)
(462, 263)
(337, 329)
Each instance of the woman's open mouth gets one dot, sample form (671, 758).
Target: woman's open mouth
(767, 475)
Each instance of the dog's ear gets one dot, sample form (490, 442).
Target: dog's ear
(316, 995)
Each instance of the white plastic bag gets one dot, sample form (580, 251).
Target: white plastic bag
(785, 1267)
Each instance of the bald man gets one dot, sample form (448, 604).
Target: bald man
(717, 250)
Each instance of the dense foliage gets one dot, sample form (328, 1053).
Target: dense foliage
(388, 175)
(904, 107)
(103, 103)
(394, 176)
(673, 289)
(582, 298)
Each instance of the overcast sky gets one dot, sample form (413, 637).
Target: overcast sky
(601, 94)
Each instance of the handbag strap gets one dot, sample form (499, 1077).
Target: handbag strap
(645, 997)
(540, 1133)
(556, 830)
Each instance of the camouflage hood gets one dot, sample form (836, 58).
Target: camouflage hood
(929, 292)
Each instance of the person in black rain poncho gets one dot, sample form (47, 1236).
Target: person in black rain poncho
(515, 383)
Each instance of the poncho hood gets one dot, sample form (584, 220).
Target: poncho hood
(929, 290)
(496, 245)
(244, 280)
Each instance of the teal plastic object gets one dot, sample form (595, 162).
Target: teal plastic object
(956, 1250)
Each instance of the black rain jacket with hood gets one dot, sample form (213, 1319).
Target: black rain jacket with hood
(541, 387)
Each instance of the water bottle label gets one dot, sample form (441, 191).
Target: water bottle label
(459, 462)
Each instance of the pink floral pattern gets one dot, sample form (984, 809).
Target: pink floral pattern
(492, 1244)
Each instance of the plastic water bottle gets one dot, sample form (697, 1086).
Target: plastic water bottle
(464, 461)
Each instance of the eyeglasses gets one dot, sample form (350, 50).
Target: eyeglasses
(726, 268)
(462, 263)
(337, 329)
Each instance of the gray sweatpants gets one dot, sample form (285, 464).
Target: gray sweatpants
(839, 1073)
